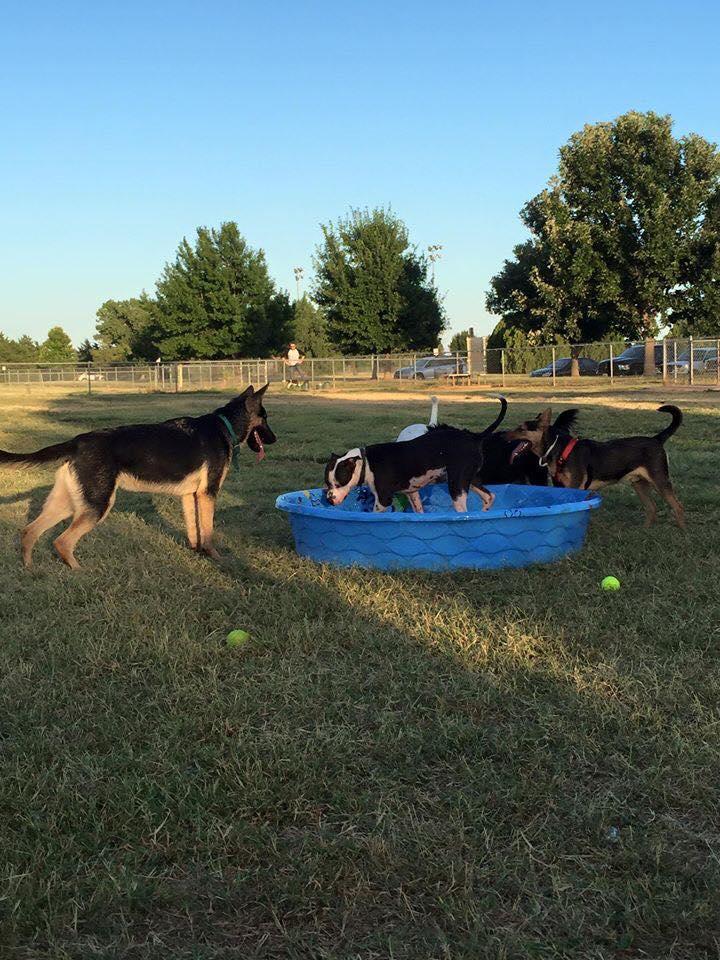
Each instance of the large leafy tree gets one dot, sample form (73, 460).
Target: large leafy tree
(373, 287)
(310, 329)
(57, 348)
(618, 237)
(217, 300)
(126, 330)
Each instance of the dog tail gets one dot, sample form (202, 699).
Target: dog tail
(500, 417)
(676, 415)
(58, 451)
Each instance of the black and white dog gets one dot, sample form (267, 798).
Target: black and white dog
(390, 468)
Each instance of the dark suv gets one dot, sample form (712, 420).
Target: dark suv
(631, 362)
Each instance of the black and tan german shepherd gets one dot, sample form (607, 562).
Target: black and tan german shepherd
(188, 457)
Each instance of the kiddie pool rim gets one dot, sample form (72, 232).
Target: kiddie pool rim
(283, 502)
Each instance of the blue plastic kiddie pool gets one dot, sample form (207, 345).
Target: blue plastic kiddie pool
(526, 525)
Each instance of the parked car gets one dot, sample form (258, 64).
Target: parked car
(631, 362)
(430, 368)
(704, 359)
(86, 375)
(563, 367)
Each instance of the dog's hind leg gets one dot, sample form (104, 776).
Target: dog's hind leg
(488, 498)
(666, 491)
(659, 474)
(57, 507)
(642, 488)
(192, 519)
(206, 515)
(88, 511)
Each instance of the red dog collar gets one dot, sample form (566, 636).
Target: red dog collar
(563, 458)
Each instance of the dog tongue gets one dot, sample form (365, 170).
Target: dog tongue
(260, 455)
(518, 449)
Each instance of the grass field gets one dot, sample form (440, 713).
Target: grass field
(420, 767)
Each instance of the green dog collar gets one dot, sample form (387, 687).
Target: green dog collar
(229, 426)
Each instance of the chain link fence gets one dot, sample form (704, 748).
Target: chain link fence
(682, 362)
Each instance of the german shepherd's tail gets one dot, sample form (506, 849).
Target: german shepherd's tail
(676, 415)
(58, 451)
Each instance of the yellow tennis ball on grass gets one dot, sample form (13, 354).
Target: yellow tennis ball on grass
(610, 583)
(237, 638)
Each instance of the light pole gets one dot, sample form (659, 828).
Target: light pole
(434, 254)
(298, 271)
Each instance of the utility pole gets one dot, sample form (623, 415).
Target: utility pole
(434, 254)
(298, 271)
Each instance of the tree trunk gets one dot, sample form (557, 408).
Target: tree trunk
(574, 361)
(649, 364)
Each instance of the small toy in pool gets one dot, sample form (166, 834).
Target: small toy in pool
(418, 429)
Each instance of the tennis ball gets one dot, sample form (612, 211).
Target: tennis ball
(610, 583)
(236, 638)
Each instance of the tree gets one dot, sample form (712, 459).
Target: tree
(85, 351)
(57, 348)
(458, 344)
(217, 300)
(126, 330)
(310, 329)
(24, 350)
(616, 235)
(373, 288)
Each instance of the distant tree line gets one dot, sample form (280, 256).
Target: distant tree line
(56, 348)
(216, 299)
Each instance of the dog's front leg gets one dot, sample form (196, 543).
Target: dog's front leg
(415, 502)
(192, 519)
(206, 514)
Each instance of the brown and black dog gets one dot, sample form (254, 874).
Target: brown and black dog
(591, 464)
(188, 457)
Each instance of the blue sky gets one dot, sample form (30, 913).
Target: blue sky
(125, 126)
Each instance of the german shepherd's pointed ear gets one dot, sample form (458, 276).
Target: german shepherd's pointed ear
(247, 392)
(261, 392)
(544, 418)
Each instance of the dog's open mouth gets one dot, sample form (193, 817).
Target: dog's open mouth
(519, 449)
(260, 449)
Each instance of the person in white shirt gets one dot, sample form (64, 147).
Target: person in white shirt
(293, 361)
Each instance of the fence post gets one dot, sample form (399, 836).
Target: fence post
(333, 371)
(312, 371)
(691, 368)
(717, 362)
(343, 373)
(612, 371)
(553, 366)
(675, 360)
(502, 364)
(88, 379)
(665, 361)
